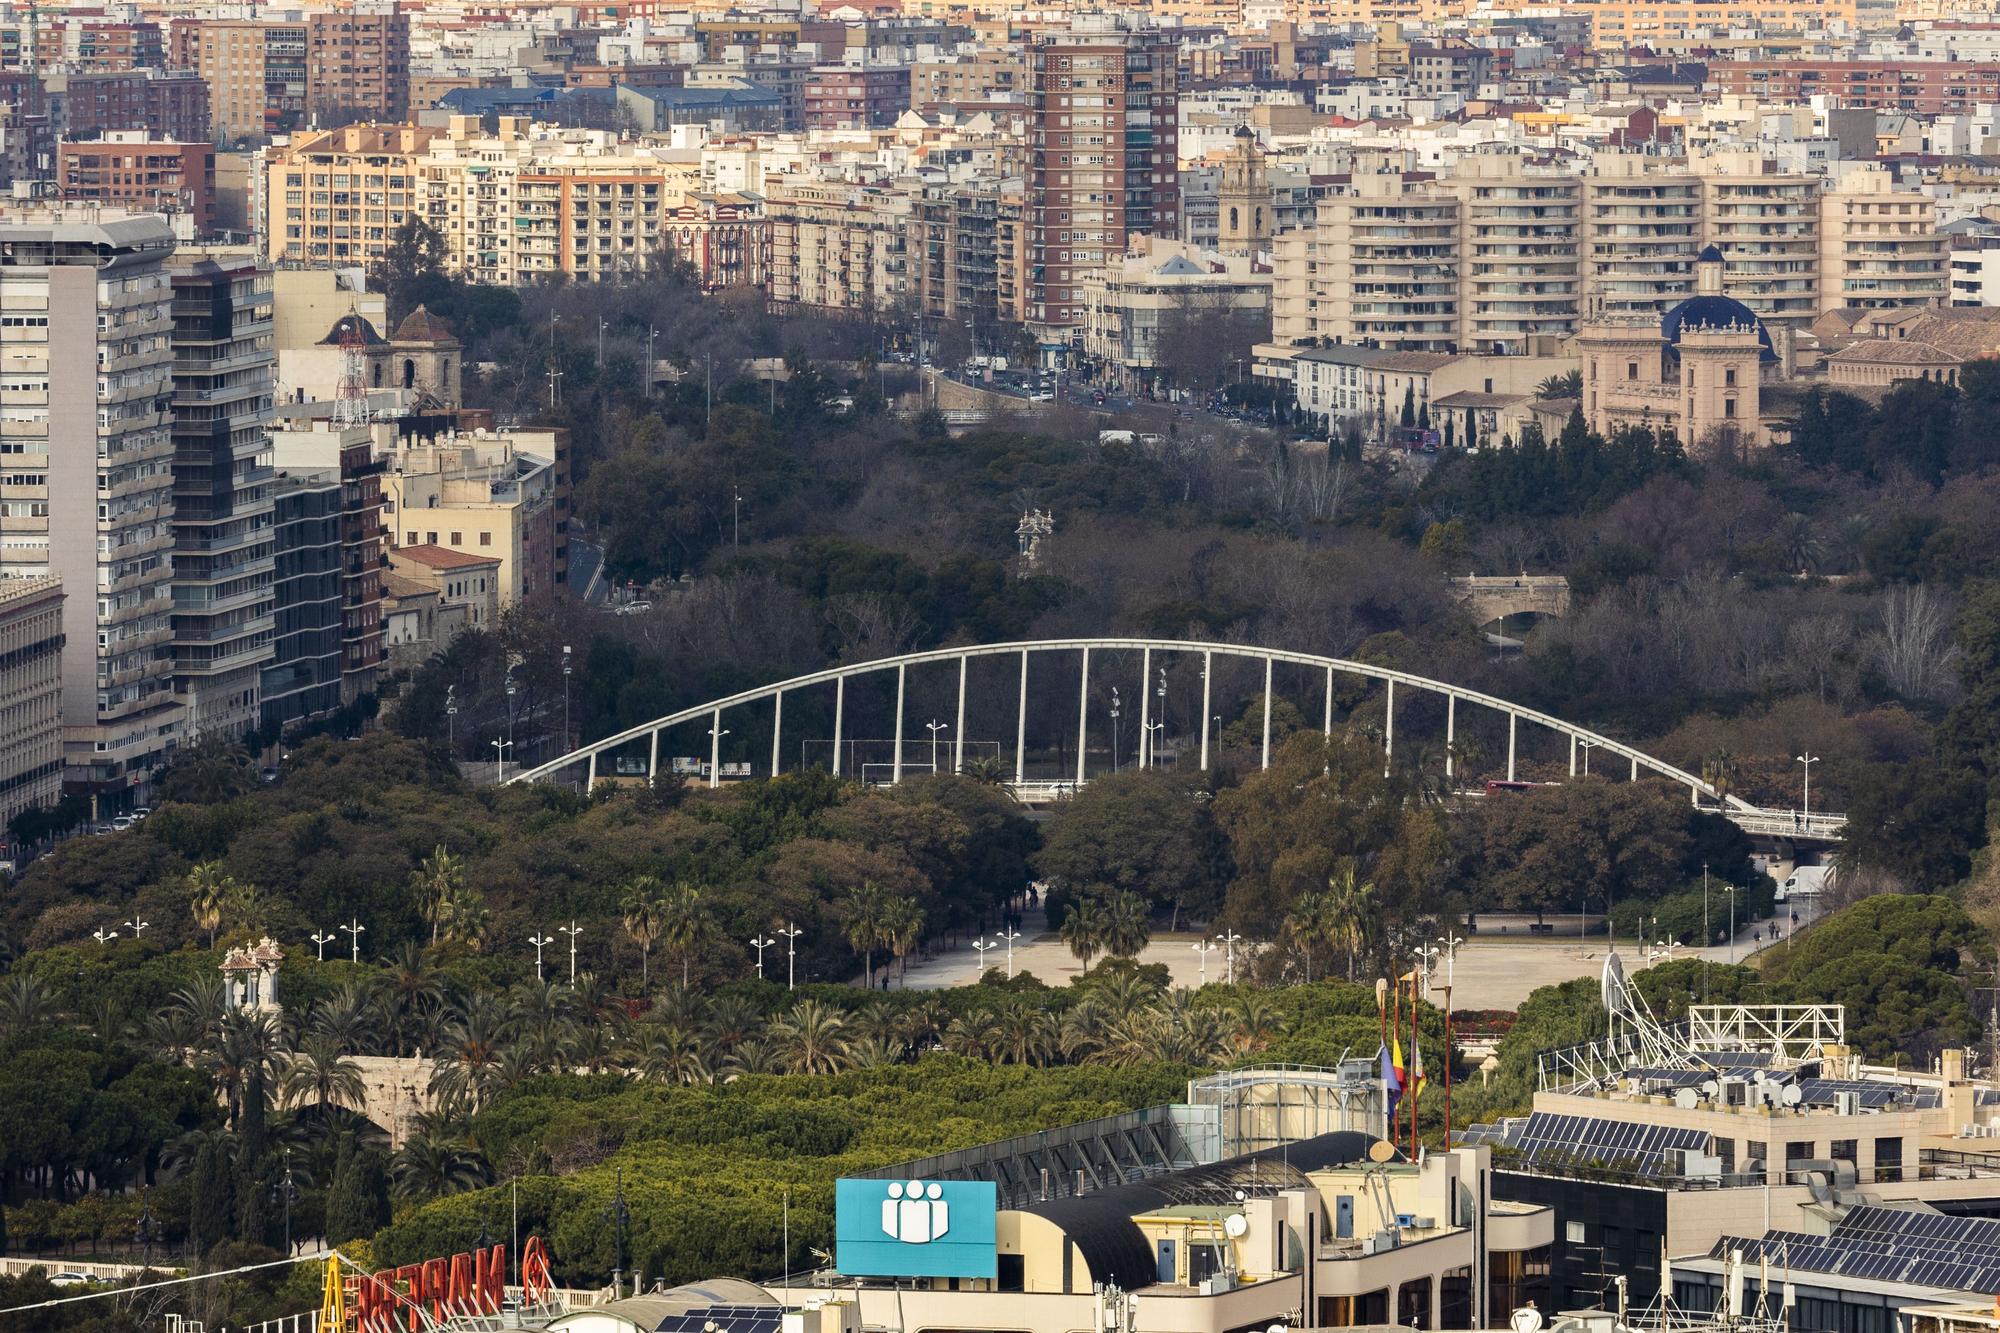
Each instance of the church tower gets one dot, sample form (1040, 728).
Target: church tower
(1243, 202)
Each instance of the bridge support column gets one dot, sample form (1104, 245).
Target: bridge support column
(1021, 726)
(839, 707)
(1389, 730)
(1572, 754)
(1512, 720)
(715, 750)
(1082, 716)
(1635, 768)
(589, 780)
(653, 758)
(896, 767)
(1450, 734)
(1145, 707)
(958, 736)
(1326, 722)
(1269, 663)
(1207, 666)
(777, 730)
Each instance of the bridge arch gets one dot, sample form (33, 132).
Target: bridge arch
(1581, 739)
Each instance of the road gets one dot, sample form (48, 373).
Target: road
(1490, 972)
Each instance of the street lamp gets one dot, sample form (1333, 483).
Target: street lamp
(322, 940)
(791, 934)
(1427, 952)
(1229, 939)
(1114, 728)
(1203, 948)
(572, 930)
(1153, 742)
(451, 720)
(1450, 943)
(1588, 746)
(761, 943)
(354, 930)
(934, 727)
(1809, 759)
(565, 744)
(540, 941)
(135, 925)
(1730, 889)
(1010, 936)
(104, 936)
(1160, 724)
(500, 749)
(983, 946)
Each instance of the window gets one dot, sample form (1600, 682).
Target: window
(1631, 370)
(1888, 1159)
(457, 539)
(1729, 407)
(1573, 1232)
(485, 539)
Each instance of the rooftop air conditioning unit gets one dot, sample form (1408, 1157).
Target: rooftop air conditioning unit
(1847, 1103)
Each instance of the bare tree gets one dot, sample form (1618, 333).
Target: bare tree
(1323, 484)
(1914, 649)
(1815, 650)
(870, 625)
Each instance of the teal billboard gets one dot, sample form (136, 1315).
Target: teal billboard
(916, 1228)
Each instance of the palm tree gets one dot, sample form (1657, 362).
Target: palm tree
(682, 916)
(319, 1072)
(1314, 918)
(348, 1018)
(1128, 924)
(865, 909)
(644, 909)
(902, 927)
(1354, 914)
(669, 1053)
(1718, 770)
(920, 1025)
(25, 1004)
(468, 1068)
(813, 1038)
(1567, 385)
(989, 770)
(242, 1061)
(430, 1166)
(752, 1057)
(437, 879)
(1257, 1023)
(464, 917)
(411, 994)
(208, 889)
(1083, 930)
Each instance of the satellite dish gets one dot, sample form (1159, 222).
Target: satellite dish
(1611, 988)
(1381, 1151)
(1235, 1225)
(1792, 1095)
(1527, 1319)
(1711, 1088)
(1687, 1099)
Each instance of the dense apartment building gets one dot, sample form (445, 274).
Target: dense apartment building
(166, 104)
(312, 444)
(302, 679)
(1641, 230)
(851, 97)
(358, 63)
(1103, 162)
(1766, 222)
(255, 71)
(971, 269)
(334, 66)
(1917, 87)
(87, 496)
(968, 80)
(839, 248)
(500, 497)
(31, 687)
(129, 169)
(1879, 246)
(224, 363)
(336, 197)
(1520, 225)
(82, 43)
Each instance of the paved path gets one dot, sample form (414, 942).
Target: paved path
(1491, 971)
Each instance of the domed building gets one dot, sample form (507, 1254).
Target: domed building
(1700, 373)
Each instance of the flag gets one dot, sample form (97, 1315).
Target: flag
(1417, 1079)
(1402, 1070)
(1392, 1083)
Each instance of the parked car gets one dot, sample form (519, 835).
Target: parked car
(70, 1279)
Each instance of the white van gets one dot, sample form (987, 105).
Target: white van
(1804, 882)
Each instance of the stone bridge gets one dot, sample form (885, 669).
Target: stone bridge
(1491, 596)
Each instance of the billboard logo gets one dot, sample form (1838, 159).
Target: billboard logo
(915, 1215)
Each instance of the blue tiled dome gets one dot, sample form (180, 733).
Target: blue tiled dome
(1714, 312)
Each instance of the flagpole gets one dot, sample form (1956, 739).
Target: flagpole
(1388, 1094)
(1402, 1075)
(1416, 1061)
(1447, 1066)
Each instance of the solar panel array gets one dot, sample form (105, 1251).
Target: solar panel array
(1654, 1149)
(1871, 1095)
(1921, 1249)
(724, 1319)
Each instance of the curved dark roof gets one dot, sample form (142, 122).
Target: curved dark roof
(356, 322)
(1111, 1243)
(1715, 312)
(421, 326)
(1710, 254)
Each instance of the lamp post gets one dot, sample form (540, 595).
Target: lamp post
(1153, 742)
(572, 930)
(451, 720)
(1587, 747)
(510, 703)
(104, 936)
(500, 749)
(602, 323)
(540, 941)
(1010, 936)
(1808, 759)
(761, 943)
(1203, 948)
(1730, 889)
(1229, 938)
(135, 925)
(934, 727)
(1114, 728)
(322, 940)
(565, 744)
(354, 930)
(983, 946)
(1160, 719)
(791, 934)
(1427, 952)
(1450, 942)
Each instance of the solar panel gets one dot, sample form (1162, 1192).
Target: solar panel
(1650, 1148)
(724, 1319)
(1870, 1094)
(1908, 1246)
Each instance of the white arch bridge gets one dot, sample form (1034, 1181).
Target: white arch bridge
(1777, 824)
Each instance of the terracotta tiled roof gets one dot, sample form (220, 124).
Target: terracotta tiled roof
(442, 557)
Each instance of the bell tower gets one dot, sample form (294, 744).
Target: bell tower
(1243, 202)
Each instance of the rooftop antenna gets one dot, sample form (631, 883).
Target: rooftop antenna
(351, 400)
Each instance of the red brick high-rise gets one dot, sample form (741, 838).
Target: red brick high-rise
(1103, 162)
